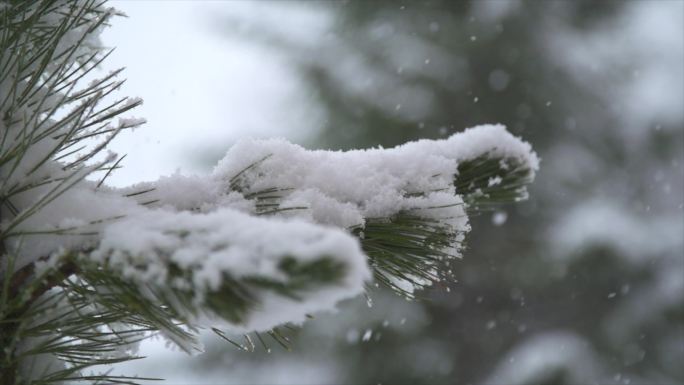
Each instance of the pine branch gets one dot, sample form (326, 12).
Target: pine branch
(488, 180)
(407, 249)
(412, 246)
(45, 54)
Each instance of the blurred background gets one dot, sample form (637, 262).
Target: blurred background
(583, 283)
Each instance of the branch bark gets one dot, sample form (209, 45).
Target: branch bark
(19, 281)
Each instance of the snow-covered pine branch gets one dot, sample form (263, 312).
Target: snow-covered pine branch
(423, 189)
(274, 233)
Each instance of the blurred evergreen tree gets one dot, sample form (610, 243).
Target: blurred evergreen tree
(398, 71)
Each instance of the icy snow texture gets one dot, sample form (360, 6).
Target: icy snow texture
(330, 188)
(377, 181)
(140, 224)
(223, 240)
(344, 188)
(144, 246)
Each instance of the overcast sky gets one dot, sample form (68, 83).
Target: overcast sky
(202, 88)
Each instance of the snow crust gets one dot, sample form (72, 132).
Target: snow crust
(343, 189)
(339, 188)
(136, 225)
(207, 225)
(208, 247)
(348, 186)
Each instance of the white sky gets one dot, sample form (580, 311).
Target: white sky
(203, 89)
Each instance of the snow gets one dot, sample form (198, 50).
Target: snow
(347, 186)
(367, 335)
(494, 181)
(499, 218)
(208, 247)
(81, 209)
(206, 224)
(342, 189)
(131, 122)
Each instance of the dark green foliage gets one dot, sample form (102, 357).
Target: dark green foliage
(407, 248)
(236, 297)
(301, 276)
(473, 181)
(78, 324)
